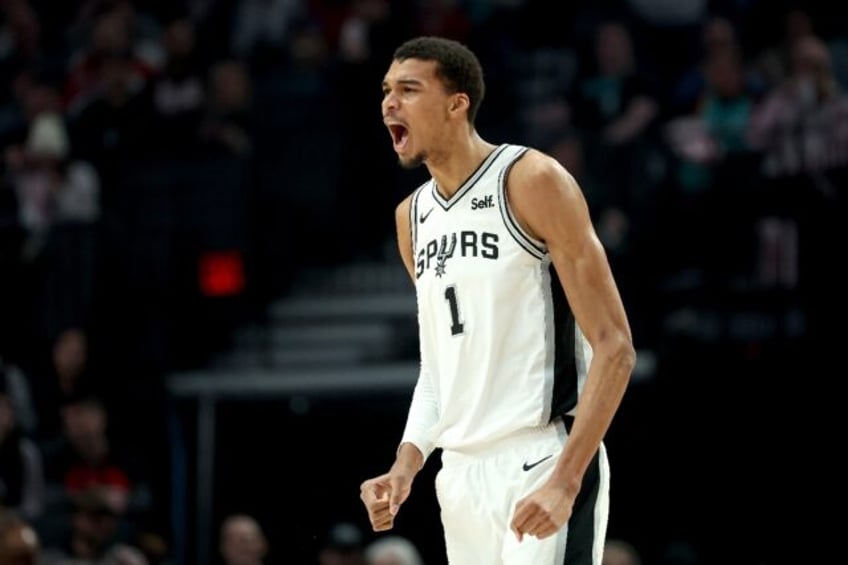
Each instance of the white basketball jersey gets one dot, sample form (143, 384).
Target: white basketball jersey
(496, 333)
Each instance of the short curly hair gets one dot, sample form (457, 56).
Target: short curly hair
(457, 66)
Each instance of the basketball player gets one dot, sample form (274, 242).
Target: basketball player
(526, 350)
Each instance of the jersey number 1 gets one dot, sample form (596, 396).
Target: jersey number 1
(456, 324)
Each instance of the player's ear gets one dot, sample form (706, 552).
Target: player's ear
(459, 102)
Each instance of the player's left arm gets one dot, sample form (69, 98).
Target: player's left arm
(548, 202)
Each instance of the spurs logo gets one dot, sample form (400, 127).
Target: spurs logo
(445, 253)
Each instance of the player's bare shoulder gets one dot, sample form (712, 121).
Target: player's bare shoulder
(541, 191)
(404, 238)
(538, 172)
(402, 210)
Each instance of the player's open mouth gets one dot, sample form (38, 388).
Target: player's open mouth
(400, 135)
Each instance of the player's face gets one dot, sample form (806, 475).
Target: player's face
(415, 107)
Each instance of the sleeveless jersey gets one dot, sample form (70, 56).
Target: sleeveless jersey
(497, 336)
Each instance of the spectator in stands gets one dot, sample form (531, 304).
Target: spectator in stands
(801, 128)
(83, 460)
(85, 456)
(802, 125)
(344, 545)
(33, 91)
(110, 127)
(95, 535)
(613, 95)
(620, 552)
(392, 550)
(21, 32)
(19, 543)
(614, 107)
(717, 127)
(59, 378)
(70, 359)
(56, 194)
(144, 32)
(21, 466)
(774, 62)
(52, 187)
(242, 541)
(225, 127)
(718, 35)
(178, 93)
(110, 37)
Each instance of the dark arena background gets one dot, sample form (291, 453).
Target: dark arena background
(203, 313)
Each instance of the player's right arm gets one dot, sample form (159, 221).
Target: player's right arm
(384, 494)
(417, 443)
(404, 236)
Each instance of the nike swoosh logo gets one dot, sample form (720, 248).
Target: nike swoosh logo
(423, 217)
(528, 466)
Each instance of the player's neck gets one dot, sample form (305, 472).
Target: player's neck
(458, 163)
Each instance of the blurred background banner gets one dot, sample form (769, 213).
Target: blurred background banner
(208, 340)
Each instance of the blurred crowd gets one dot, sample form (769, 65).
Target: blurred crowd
(165, 162)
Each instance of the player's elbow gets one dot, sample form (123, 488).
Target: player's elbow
(628, 358)
(622, 354)
(613, 347)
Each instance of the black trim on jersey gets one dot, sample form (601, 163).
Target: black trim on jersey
(564, 396)
(581, 526)
(470, 182)
(521, 237)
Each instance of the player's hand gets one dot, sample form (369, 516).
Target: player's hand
(374, 494)
(384, 495)
(543, 512)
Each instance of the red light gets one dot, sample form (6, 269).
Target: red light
(221, 273)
